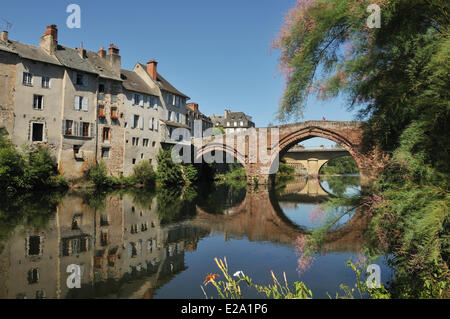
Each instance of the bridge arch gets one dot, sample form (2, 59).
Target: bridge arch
(297, 136)
(218, 147)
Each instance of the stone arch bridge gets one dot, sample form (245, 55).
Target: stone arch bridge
(260, 149)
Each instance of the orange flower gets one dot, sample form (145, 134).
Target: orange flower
(209, 278)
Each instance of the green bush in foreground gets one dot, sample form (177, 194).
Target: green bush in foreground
(34, 168)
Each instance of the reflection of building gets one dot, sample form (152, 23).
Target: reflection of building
(120, 241)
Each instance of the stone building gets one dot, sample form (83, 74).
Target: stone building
(193, 114)
(173, 112)
(84, 107)
(233, 122)
(141, 105)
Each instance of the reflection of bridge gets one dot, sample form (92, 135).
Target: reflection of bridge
(310, 161)
(259, 150)
(260, 218)
(305, 186)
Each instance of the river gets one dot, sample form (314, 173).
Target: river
(162, 244)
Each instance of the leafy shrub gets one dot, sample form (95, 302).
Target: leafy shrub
(144, 174)
(190, 173)
(168, 173)
(98, 175)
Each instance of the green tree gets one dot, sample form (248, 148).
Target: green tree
(168, 172)
(144, 174)
(397, 77)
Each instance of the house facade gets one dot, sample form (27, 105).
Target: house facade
(233, 122)
(84, 107)
(193, 114)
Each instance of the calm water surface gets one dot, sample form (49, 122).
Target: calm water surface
(163, 244)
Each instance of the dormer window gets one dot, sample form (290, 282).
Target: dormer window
(80, 79)
(27, 78)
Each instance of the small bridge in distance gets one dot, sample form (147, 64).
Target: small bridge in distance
(309, 161)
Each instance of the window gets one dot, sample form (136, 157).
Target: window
(80, 79)
(150, 123)
(34, 245)
(76, 221)
(85, 129)
(37, 134)
(68, 127)
(133, 161)
(178, 117)
(235, 124)
(228, 124)
(114, 115)
(114, 98)
(154, 144)
(104, 238)
(76, 149)
(106, 134)
(145, 142)
(135, 141)
(154, 101)
(45, 82)
(104, 220)
(38, 102)
(138, 100)
(33, 276)
(81, 103)
(27, 78)
(101, 112)
(101, 92)
(241, 123)
(135, 121)
(105, 152)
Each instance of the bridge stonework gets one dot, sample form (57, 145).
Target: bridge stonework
(260, 169)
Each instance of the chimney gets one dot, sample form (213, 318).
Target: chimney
(152, 67)
(102, 52)
(114, 58)
(4, 36)
(49, 40)
(53, 31)
(193, 106)
(82, 52)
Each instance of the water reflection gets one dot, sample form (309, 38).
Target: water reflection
(140, 245)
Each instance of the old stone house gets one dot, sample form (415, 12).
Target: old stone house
(233, 122)
(84, 107)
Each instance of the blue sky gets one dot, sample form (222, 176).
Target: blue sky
(217, 52)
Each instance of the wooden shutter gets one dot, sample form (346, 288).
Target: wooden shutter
(77, 102)
(92, 130)
(141, 100)
(85, 104)
(75, 128)
(133, 100)
(63, 127)
(141, 124)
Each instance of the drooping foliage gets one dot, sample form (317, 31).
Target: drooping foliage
(397, 77)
